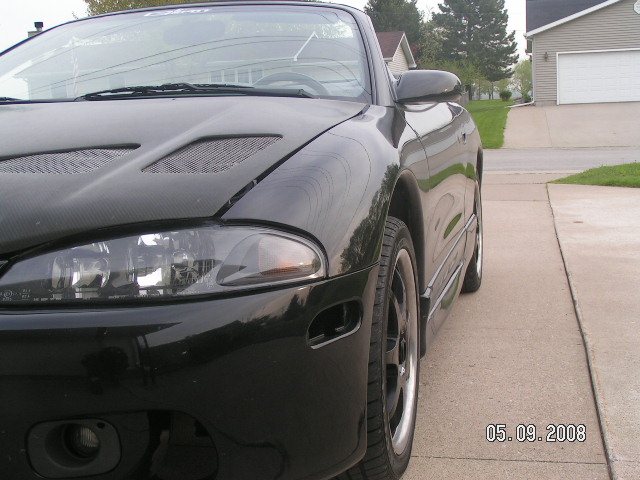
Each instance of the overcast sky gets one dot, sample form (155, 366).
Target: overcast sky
(17, 16)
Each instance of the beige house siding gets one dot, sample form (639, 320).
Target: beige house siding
(399, 63)
(614, 27)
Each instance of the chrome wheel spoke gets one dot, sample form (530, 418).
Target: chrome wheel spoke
(401, 352)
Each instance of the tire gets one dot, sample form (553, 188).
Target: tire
(473, 275)
(394, 361)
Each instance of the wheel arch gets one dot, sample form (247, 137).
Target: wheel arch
(405, 205)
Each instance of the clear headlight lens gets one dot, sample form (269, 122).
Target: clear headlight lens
(197, 261)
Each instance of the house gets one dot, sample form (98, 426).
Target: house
(584, 51)
(396, 51)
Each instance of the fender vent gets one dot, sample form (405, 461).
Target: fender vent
(334, 323)
(77, 161)
(211, 156)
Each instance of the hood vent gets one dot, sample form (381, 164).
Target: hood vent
(211, 156)
(78, 161)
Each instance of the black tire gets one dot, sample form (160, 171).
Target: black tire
(473, 275)
(394, 361)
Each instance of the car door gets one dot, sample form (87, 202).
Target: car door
(440, 127)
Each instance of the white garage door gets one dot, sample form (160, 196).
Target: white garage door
(595, 77)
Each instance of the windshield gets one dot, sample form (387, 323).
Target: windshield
(315, 49)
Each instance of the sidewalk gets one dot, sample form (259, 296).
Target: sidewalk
(514, 352)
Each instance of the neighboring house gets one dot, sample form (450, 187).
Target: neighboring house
(590, 56)
(396, 51)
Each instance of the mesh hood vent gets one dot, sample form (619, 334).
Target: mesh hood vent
(78, 161)
(211, 156)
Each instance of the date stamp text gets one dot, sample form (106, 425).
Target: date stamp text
(499, 432)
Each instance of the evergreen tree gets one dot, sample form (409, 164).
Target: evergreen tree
(397, 15)
(476, 31)
(430, 47)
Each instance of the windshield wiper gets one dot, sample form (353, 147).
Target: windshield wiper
(170, 89)
(144, 90)
(11, 99)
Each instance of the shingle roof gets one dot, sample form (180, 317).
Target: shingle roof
(598, 6)
(544, 12)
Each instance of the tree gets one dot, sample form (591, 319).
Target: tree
(397, 15)
(485, 86)
(97, 7)
(466, 71)
(476, 31)
(431, 47)
(522, 78)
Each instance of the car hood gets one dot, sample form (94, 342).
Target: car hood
(68, 168)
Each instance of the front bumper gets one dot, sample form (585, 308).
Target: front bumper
(227, 388)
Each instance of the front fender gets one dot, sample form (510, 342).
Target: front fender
(337, 189)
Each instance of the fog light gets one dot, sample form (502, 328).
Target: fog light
(81, 441)
(74, 448)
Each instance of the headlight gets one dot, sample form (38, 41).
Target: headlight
(197, 261)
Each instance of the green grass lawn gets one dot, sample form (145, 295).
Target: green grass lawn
(491, 118)
(627, 175)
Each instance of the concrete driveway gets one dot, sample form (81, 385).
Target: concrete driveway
(551, 340)
(574, 126)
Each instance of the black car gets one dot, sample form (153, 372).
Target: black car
(227, 236)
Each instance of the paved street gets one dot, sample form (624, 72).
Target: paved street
(554, 160)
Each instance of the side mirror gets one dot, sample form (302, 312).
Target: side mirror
(416, 86)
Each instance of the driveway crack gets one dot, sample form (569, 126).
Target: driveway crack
(587, 346)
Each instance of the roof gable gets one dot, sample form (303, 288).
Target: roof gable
(389, 44)
(564, 20)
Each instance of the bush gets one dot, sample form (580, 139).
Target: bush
(505, 95)
(526, 99)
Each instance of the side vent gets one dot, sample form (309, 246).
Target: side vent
(211, 155)
(334, 323)
(65, 163)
